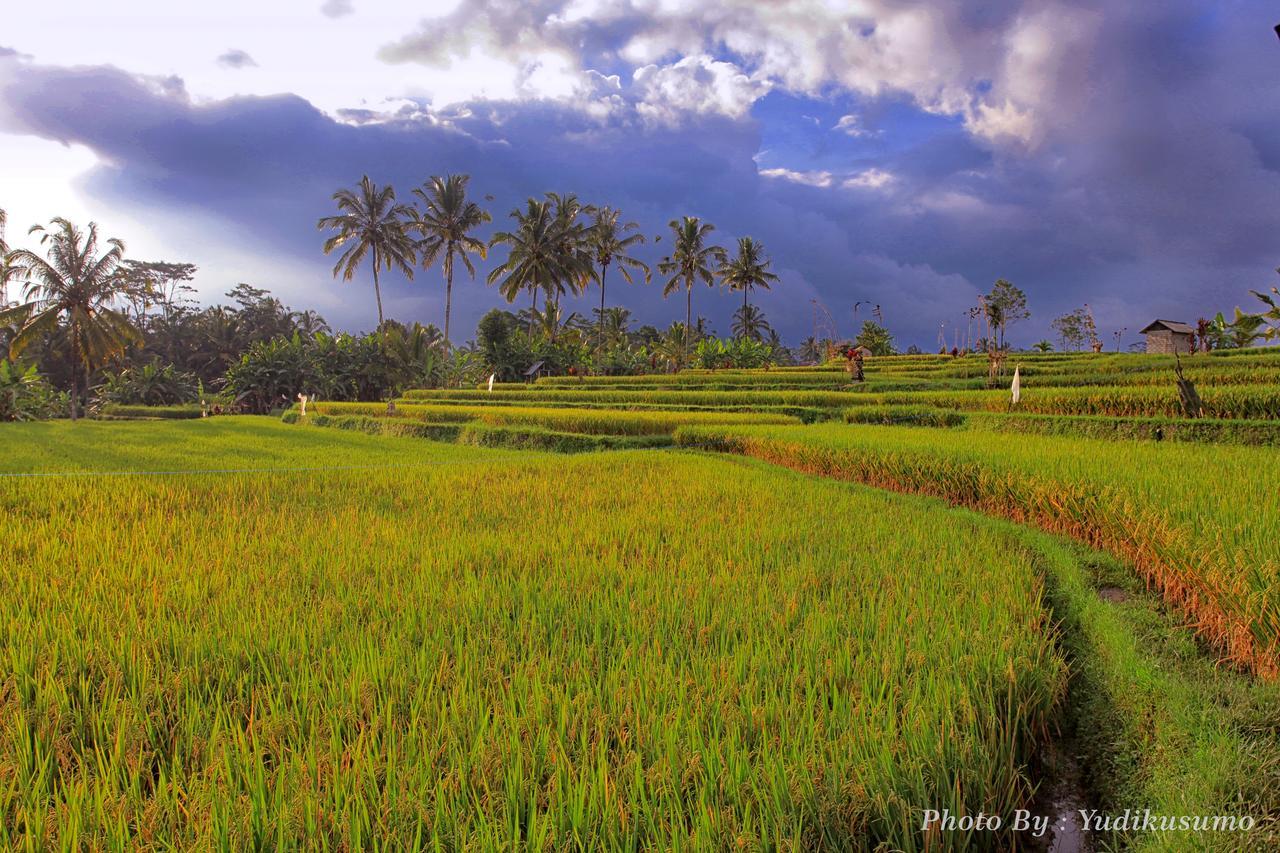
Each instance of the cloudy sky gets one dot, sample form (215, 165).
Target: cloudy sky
(896, 152)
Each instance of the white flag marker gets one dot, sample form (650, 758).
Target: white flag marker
(491, 375)
(1017, 384)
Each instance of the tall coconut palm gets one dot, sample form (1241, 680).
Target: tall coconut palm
(72, 289)
(445, 225)
(370, 222)
(749, 270)
(536, 259)
(575, 246)
(611, 241)
(690, 260)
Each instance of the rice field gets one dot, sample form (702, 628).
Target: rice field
(429, 646)
(1202, 522)
(464, 625)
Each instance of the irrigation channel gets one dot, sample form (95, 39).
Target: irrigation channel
(1060, 777)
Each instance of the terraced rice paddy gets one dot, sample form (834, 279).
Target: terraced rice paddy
(1215, 551)
(457, 648)
(358, 630)
(589, 421)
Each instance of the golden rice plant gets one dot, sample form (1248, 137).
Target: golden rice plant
(321, 640)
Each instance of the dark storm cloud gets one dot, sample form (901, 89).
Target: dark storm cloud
(1150, 190)
(236, 58)
(520, 29)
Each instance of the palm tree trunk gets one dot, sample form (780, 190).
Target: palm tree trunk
(688, 318)
(604, 268)
(448, 304)
(75, 380)
(533, 313)
(554, 318)
(377, 289)
(87, 377)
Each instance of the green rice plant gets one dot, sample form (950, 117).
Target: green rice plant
(564, 419)
(480, 435)
(1258, 402)
(1201, 375)
(128, 412)
(534, 396)
(807, 414)
(927, 416)
(538, 438)
(1200, 522)
(720, 379)
(396, 644)
(435, 414)
(1206, 430)
(433, 430)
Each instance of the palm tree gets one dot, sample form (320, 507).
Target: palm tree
(691, 259)
(672, 348)
(309, 323)
(73, 288)
(611, 242)
(551, 319)
(749, 322)
(613, 325)
(575, 246)
(750, 269)
(370, 223)
(221, 340)
(8, 270)
(536, 259)
(445, 225)
(417, 352)
(4, 261)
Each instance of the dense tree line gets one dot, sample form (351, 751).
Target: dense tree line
(91, 326)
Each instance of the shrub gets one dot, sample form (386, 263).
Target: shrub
(148, 385)
(334, 368)
(26, 396)
(713, 353)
